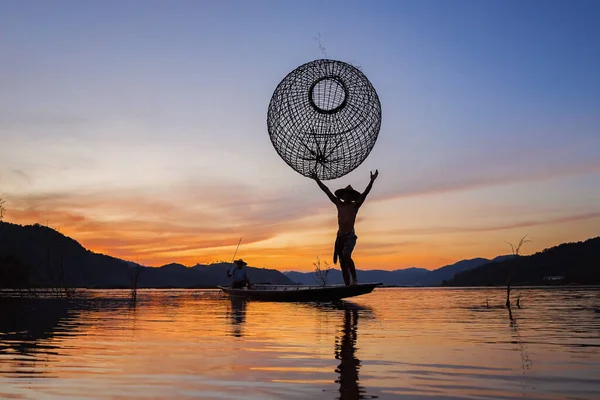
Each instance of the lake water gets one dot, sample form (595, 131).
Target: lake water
(393, 343)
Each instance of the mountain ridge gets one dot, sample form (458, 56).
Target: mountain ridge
(412, 276)
(40, 256)
(573, 263)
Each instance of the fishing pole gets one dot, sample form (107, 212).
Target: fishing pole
(236, 250)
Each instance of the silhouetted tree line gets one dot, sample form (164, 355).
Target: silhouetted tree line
(50, 259)
(13, 274)
(39, 256)
(576, 263)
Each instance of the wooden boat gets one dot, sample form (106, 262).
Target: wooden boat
(300, 293)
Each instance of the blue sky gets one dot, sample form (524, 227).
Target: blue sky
(490, 120)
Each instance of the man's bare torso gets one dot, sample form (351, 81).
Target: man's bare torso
(346, 216)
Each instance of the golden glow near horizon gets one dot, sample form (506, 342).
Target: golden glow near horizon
(426, 231)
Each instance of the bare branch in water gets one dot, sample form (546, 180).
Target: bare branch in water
(134, 277)
(515, 252)
(320, 273)
(517, 249)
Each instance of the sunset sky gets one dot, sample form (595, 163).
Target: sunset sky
(139, 127)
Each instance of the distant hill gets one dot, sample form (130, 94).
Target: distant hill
(410, 276)
(568, 263)
(445, 273)
(42, 256)
(400, 277)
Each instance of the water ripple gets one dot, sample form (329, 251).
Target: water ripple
(393, 343)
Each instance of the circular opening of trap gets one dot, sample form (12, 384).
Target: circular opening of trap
(328, 95)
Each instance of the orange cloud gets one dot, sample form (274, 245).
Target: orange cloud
(137, 227)
(200, 224)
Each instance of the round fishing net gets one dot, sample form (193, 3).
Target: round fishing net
(324, 116)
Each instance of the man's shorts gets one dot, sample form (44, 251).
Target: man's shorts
(344, 245)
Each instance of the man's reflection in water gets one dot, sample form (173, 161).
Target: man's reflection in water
(237, 316)
(345, 351)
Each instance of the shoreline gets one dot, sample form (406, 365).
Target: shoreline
(503, 287)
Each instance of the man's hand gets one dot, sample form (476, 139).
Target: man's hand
(374, 175)
(323, 187)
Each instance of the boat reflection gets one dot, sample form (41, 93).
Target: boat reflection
(345, 350)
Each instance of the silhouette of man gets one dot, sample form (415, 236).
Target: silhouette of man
(239, 274)
(348, 202)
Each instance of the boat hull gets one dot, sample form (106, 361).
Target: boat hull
(299, 293)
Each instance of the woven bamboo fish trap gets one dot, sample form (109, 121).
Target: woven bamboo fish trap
(324, 117)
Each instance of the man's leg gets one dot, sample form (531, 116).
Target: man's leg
(344, 267)
(347, 255)
(339, 253)
(352, 269)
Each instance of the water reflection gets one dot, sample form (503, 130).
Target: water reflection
(35, 331)
(408, 343)
(518, 340)
(237, 316)
(27, 328)
(25, 323)
(345, 348)
(345, 351)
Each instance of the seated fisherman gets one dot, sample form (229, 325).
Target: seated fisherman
(239, 274)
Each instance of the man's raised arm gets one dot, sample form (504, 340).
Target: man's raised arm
(324, 188)
(364, 194)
